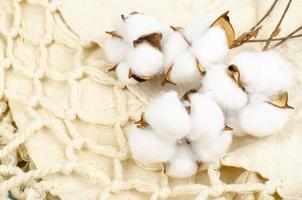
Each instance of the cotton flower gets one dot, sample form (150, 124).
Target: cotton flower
(138, 25)
(122, 72)
(223, 89)
(206, 116)
(173, 45)
(263, 119)
(147, 148)
(265, 73)
(145, 61)
(185, 70)
(183, 163)
(211, 151)
(212, 47)
(115, 49)
(168, 117)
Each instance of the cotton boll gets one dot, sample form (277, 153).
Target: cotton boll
(122, 72)
(138, 25)
(173, 45)
(145, 61)
(199, 26)
(147, 148)
(211, 151)
(206, 116)
(222, 89)
(168, 117)
(263, 119)
(185, 70)
(212, 47)
(115, 49)
(265, 72)
(183, 163)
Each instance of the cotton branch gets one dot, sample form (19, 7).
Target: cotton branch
(289, 36)
(253, 32)
(276, 39)
(277, 28)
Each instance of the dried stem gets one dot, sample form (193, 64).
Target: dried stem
(265, 16)
(276, 39)
(291, 35)
(277, 29)
(246, 36)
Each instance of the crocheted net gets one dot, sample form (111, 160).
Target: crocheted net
(63, 129)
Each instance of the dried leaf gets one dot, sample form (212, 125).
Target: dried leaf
(200, 68)
(154, 39)
(281, 101)
(245, 37)
(112, 68)
(186, 96)
(114, 34)
(188, 108)
(180, 30)
(141, 123)
(138, 78)
(276, 32)
(234, 73)
(166, 78)
(223, 21)
(227, 128)
(177, 28)
(132, 13)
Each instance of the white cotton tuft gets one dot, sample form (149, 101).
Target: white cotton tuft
(212, 47)
(147, 148)
(168, 117)
(144, 60)
(223, 89)
(263, 119)
(173, 45)
(138, 25)
(185, 70)
(206, 116)
(115, 49)
(264, 73)
(232, 120)
(211, 151)
(199, 26)
(183, 163)
(122, 72)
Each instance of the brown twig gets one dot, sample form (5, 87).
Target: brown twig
(276, 39)
(291, 35)
(277, 28)
(253, 32)
(265, 16)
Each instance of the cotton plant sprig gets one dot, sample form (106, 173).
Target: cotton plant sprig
(247, 36)
(141, 47)
(170, 132)
(134, 49)
(247, 96)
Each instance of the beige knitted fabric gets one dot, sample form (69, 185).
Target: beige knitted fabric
(63, 129)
